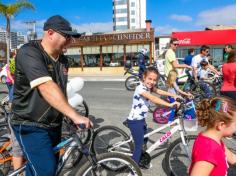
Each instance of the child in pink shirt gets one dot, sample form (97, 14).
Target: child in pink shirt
(210, 157)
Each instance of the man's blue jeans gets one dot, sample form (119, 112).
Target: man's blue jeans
(37, 144)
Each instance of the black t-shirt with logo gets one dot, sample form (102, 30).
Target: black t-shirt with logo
(33, 67)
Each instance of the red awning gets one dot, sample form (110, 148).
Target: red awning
(208, 37)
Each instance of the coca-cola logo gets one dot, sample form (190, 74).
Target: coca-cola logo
(185, 41)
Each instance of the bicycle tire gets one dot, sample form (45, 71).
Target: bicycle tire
(83, 109)
(131, 83)
(106, 136)
(199, 92)
(129, 166)
(161, 82)
(176, 158)
(73, 159)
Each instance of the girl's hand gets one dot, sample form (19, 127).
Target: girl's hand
(190, 96)
(177, 96)
(175, 104)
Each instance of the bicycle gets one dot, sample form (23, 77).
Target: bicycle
(96, 164)
(133, 81)
(5, 149)
(178, 154)
(199, 89)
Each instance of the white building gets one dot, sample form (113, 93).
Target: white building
(129, 14)
(21, 39)
(13, 38)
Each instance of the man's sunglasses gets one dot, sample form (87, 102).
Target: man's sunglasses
(67, 37)
(176, 44)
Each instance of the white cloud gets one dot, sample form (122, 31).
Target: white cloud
(218, 16)
(167, 29)
(182, 18)
(93, 27)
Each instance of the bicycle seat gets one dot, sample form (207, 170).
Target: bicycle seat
(4, 139)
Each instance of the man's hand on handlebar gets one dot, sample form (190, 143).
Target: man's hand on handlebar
(83, 120)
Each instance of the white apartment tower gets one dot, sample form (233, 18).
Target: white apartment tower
(129, 14)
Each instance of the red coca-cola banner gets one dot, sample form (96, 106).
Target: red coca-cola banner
(208, 37)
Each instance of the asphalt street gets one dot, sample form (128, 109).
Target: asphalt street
(109, 104)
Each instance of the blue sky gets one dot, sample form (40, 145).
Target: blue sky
(96, 15)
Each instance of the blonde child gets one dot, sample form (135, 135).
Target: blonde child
(141, 100)
(173, 88)
(209, 155)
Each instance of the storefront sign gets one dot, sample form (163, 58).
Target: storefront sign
(208, 37)
(121, 38)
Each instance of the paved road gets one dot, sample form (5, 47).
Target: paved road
(109, 103)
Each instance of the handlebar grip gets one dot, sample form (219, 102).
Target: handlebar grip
(179, 100)
(82, 126)
(175, 106)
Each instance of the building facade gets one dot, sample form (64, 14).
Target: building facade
(13, 38)
(215, 39)
(111, 49)
(129, 14)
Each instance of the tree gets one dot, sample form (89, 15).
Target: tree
(10, 10)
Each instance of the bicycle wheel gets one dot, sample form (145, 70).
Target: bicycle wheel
(73, 159)
(178, 156)
(105, 137)
(75, 155)
(113, 160)
(159, 117)
(83, 109)
(131, 82)
(203, 90)
(161, 82)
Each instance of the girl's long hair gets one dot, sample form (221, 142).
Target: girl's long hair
(171, 79)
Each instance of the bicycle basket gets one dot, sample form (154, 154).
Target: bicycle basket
(161, 115)
(189, 117)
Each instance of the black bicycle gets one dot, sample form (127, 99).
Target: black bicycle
(96, 165)
(133, 81)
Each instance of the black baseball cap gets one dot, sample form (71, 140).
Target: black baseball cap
(60, 24)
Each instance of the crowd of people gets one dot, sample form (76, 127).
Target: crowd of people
(217, 114)
(38, 75)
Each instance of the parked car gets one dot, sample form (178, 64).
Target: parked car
(3, 74)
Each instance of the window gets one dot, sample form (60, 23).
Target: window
(120, 19)
(132, 20)
(121, 27)
(132, 4)
(132, 12)
(121, 2)
(121, 11)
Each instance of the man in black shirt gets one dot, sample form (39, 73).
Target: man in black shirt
(40, 101)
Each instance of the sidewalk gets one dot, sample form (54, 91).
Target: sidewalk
(87, 77)
(95, 74)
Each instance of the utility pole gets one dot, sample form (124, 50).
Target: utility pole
(31, 30)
